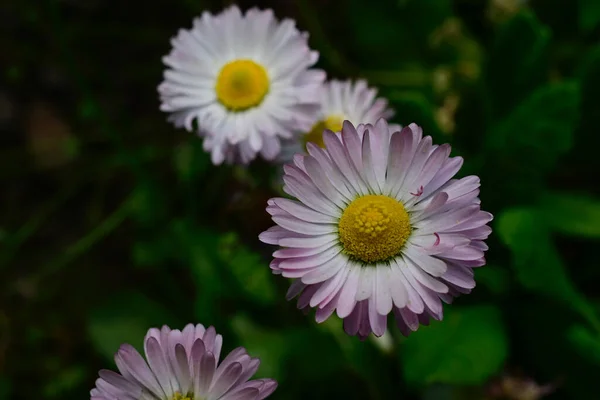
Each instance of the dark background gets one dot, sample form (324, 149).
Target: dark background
(112, 221)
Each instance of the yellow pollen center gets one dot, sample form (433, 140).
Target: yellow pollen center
(242, 84)
(332, 122)
(179, 396)
(374, 228)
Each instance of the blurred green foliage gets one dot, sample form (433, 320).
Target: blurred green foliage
(114, 222)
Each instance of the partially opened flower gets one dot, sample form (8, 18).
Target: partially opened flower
(245, 79)
(340, 100)
(379, 226)
(182, 365)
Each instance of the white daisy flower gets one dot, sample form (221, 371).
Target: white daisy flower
(245, 80)
(379, 226)
(340, 101)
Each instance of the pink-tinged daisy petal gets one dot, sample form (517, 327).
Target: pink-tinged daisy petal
(367, 162)
(404, 235)
(137, 367)
(377, 322)
(347, 299)
(331, 171)
(329, 289)
(302, 212)
(296, 225)
(315, 172)
(459, 276)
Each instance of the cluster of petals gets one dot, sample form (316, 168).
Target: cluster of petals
(435, 264)
(182, 365)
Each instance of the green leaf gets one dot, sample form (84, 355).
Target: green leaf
(518, 61)
(572, 214)
(248, 268)
(125, 318)
(585, 342)
(468, 347)
(589, 14)
(536, 260)
(539, 130)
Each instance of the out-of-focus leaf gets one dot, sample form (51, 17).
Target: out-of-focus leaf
(271, 347)
(536, 261)
(148, 203)
(5, 387)
(589, 14)
(589, 76)
(409, 23)
(190, 159)
(540, 129)
(517, 62)
(415, 107)
(468, 347)
(199, 251)
(572, 214)
(64, 381)
(151, 252)
(493, 277)
(125, 319)
(585, 342)
(248, 268)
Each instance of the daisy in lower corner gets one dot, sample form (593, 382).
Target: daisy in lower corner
(245, 78)
(182, 365)
(348, 100)
(379, 226)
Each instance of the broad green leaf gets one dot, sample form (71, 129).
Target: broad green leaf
(536, 261)
(270, 346)
(125, 318)
(585, 342)
(517, 62)
(589, 14)
(468, 347)
(249, 269)
(572, 214)
(539, 130)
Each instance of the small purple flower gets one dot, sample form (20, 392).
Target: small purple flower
(182, 365)
(380, 226)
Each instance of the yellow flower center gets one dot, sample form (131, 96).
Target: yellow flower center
(179, 396)
(374, 228)
(242, 84)
(333, 123)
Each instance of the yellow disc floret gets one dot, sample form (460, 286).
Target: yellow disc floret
(332, 122)
(242, 84)
(374, 228)
(179, 396)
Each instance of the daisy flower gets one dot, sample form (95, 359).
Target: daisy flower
(182, 365)
(379, 225)
(340, 100)
(245, 80)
